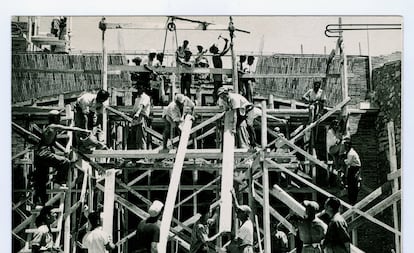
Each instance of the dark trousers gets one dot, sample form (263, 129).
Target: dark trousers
(43, 159)
(186, 85)
(167, 132)
(217, 85)
(352, 180)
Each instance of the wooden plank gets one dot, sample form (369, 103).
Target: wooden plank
(381, 206)
(226, 207)
(168, 70)
(266, 203)
(109, 199)
(394, 175)
(198, 191)
(282, 75)
(304, 153)
(367, 200)
(299, 209)
(173, 185)
(395, 184)
(325, 116)
(322, 191)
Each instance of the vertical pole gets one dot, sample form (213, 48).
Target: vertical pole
(393, 165)
(233, 58)
(67, 234)
(29, 33)
(266, 207)
(109, 199)
(344, 70)
(104, 83)
(270, 101)
(370, 88)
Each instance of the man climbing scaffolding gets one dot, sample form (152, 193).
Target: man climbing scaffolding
(316, 98)
(45, 157)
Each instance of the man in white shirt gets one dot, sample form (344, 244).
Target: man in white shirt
(173, 116)
(316, 98)
(97, 240)
(140, 115)
(353, 170)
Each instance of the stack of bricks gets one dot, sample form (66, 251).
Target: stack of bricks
(40, 75)
(294, 87)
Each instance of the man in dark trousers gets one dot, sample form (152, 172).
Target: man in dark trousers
(148, 231)
(218, 64)
(45, 157)
(352, 171)
(337, 239)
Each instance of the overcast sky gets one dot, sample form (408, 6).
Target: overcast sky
(277, 34)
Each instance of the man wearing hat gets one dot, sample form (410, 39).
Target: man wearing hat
(311, 230)
(173, 116)
(352, 171)
(140, 116)
(97, 240)
(148, 231)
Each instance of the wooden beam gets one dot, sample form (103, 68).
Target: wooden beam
(173, 185)
(395, 184)
(325, 116)
(368, 199)
(381, 206)
(394, 175)
(169, 70)
(109, 199)
(198, 191)
(226, 205)
(304, 153)
(279, 75)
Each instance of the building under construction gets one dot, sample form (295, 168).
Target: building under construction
(363, 92)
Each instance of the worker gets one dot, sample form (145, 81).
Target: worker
(311, 230)
(173, 116)
(249, 83)
(244, 237)
(88, 112)
(353, 170)
(43, 238)
(218, 63)
(337, 239)
(148, 231)
(186, 78)
(97, 240)
(151, 79)
(316, 98)
(200, 233)
(45, 157)
(140, 116)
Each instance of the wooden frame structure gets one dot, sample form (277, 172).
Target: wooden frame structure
(250, 166)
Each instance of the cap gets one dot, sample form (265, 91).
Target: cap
(54, 113)
(155, 208)
(245, 209)
(311, 204)
(222, 90)
(152, 51)
(277, 129)
(179, 98)
(203, 60)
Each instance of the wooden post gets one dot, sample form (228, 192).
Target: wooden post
(67, 234)
(104, 85)
(270, 101)
(266, 206)
(233, 60)
(393, 165)
(227, 174)
(173, 186)
(344, 70)
(109, 199)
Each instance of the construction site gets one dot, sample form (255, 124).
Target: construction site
(205, 163)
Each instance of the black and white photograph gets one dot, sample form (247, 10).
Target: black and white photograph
(206, 133)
